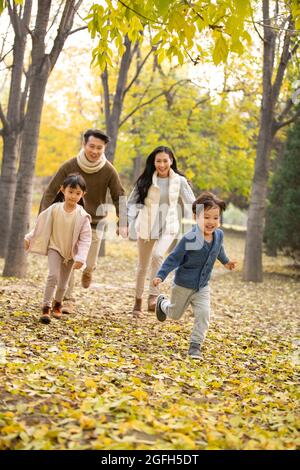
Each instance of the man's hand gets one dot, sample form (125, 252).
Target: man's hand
(156, 281)
(26, 244)
(231, 265)
(77, 265)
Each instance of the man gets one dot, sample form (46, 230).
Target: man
(100, 175)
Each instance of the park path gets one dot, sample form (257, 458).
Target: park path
(100, 380)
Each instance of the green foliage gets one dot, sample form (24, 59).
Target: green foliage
(283, 214)
(213, 139)
(175, 27)
(295, 7)
(3, 4)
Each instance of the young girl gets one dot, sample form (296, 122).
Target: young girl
(194, 256)
(156, 195)
(63, 232)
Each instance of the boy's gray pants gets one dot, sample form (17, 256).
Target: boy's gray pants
(181, 298)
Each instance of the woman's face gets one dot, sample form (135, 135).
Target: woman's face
(162, 164)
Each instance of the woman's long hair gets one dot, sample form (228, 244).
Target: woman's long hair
(144, 181)
(73, 180)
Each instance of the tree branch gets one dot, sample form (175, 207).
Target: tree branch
(104, 78)
(56, 15)
(151, 100)
(278, 125)
(140, 106)
(77, 29)
(64, 29)
(140, 14)
(285, 111)
(254, 24)
(203, 100)
(24, 96)
(3, 57)
(284, 59)
(139, 69)
(3, 118)
(15, 20)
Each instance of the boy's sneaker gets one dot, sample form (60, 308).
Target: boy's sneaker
(57, 309)
(160, 314)
(195, 351)
(45, 318)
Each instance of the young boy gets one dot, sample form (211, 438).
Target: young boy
(194, 258)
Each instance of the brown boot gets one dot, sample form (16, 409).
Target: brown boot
(152, 302)
(68, 306)
(86, 279)
(45, 318)
(137, 308)
(56, 309)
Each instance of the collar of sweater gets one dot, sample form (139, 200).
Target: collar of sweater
(172, 175)
(90, 167)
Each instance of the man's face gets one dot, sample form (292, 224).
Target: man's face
(94, 148)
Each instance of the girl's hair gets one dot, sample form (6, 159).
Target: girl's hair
(73, 180)
(208, 200)
(144, 181)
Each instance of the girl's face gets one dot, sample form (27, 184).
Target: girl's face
(209, 221)
(162, 164)
(72, 195)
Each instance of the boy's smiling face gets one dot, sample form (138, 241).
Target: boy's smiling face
(209, 220)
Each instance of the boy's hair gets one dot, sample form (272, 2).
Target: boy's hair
(95, 133)
(208, 200)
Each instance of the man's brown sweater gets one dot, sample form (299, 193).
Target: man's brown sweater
(97, 185)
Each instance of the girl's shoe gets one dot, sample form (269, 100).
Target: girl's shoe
(152, 302)
(45, 318)
(57, 309)
(137, 308)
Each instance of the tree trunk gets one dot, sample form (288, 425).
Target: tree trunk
(12, 127)
(137, 167)
(7, 188)
(15, 264)
(113, 117)
(254, 237)
(42, 64)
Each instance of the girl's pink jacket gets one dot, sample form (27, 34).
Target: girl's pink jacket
(39, 237)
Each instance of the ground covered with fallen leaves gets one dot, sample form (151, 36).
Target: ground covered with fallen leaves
(100, 380)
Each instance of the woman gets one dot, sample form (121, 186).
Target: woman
(154, 203)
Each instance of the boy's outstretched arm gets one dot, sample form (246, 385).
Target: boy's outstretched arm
(230, 265)
(225, 260)
(222, 256)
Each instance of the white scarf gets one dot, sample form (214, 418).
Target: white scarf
(90, 167)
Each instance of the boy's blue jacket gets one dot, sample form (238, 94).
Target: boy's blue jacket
(194, 259)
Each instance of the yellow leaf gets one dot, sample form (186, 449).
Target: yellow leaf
(90, 383)
(140, 395)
